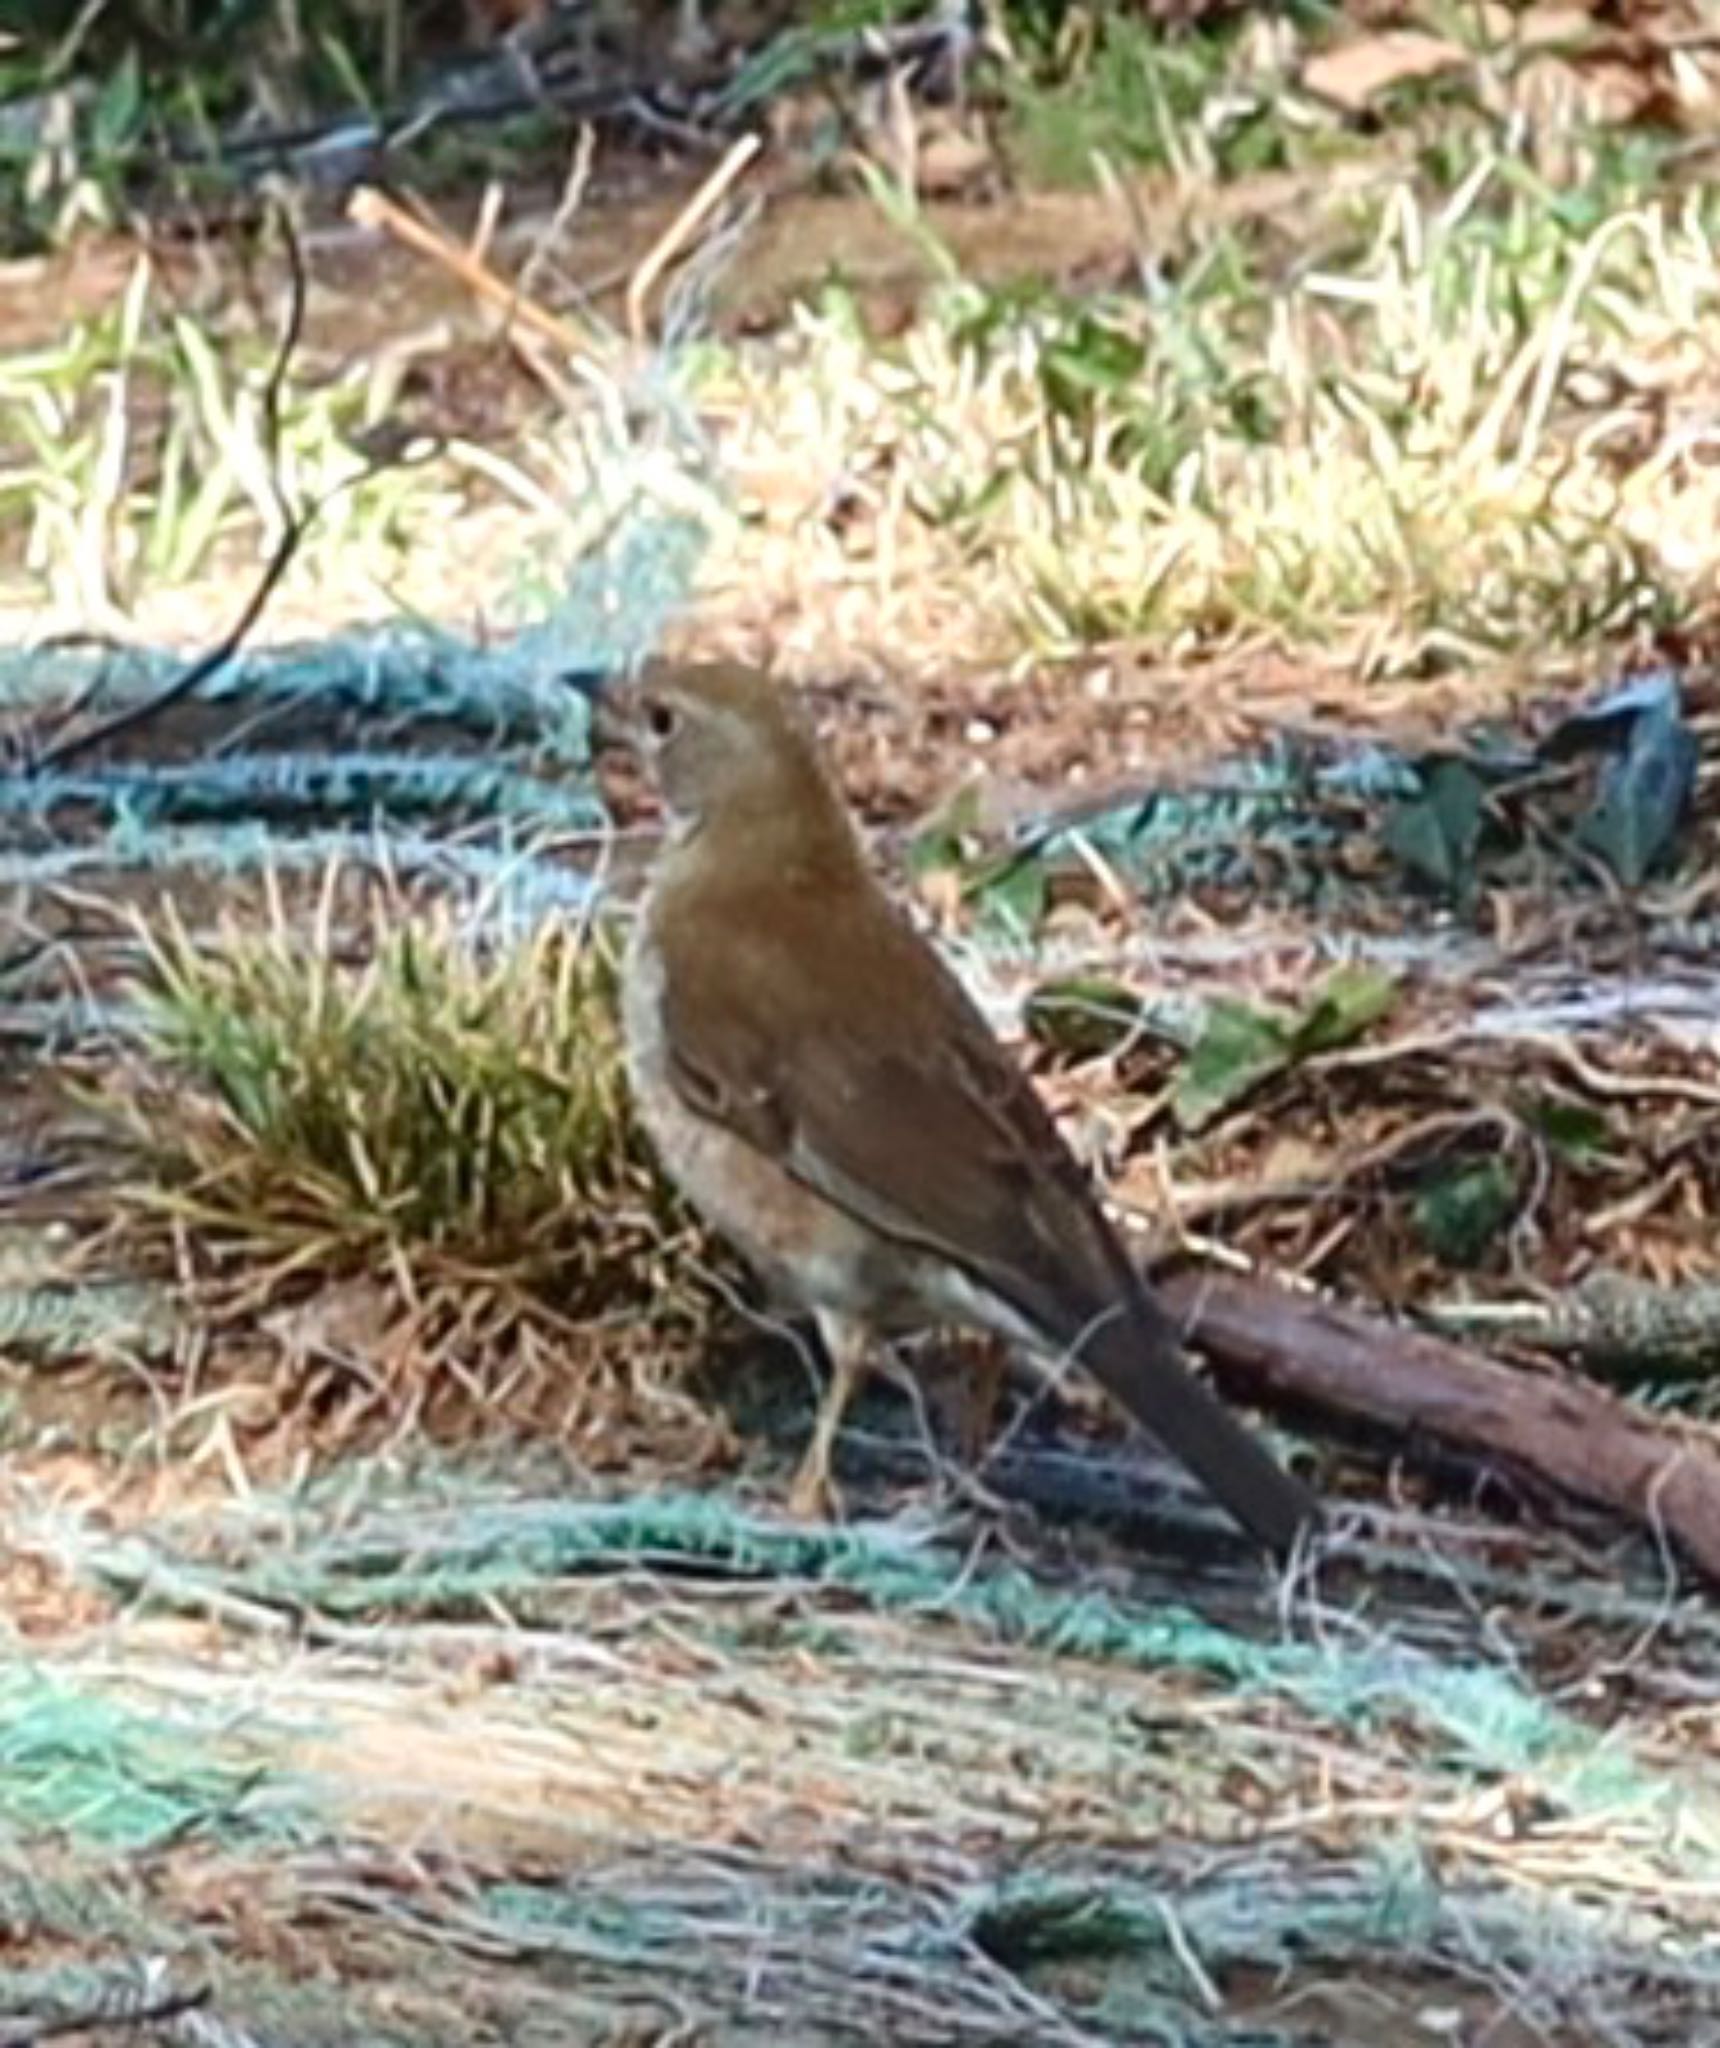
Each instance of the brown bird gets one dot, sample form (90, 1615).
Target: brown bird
(824, 1092)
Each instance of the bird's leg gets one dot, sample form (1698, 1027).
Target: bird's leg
(988, 1367)
(845, 1341)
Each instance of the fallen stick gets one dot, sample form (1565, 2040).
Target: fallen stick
(683, 228)
(371, 208)
(1660, 1474)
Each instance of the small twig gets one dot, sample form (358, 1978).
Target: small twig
(294, 525)
(1611, 1086)
(1570, 1433)
(572, 199)
(286, 547)
(681, 230)
(58, 721)
(373, 209)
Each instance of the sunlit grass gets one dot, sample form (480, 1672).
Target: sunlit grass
(143, 483)
(1452, 416)
(136, 451)
(1461, 435)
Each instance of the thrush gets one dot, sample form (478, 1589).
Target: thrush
(825, 1093)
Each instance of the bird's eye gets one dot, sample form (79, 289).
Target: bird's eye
(661, 719)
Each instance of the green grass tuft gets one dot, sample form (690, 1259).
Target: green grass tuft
(442, 1099)
(420, 1138)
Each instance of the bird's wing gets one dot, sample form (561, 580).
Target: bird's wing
(842, 1046)
(796, 1050)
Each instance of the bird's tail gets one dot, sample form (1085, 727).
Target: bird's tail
(1134, 1354)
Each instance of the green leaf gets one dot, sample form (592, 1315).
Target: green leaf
(1576, 1131)
(1013, 891)
(1460, 1214)
(943, 842)
(1644, 795)
(1346, 1003)
(118, 109)
(1437, 835)
(1090, 359)
(1237, 1049)
(1239, 1046)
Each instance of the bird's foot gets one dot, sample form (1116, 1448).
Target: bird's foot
(987, 1362)
(814, 1496)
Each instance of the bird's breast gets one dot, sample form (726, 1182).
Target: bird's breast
(811, 1253)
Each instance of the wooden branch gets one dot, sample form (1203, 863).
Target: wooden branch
(370, 207)
(1583, 1438)
(683, 228)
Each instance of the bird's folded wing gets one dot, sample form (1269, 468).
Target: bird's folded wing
(871, 1078)
(878, 1085)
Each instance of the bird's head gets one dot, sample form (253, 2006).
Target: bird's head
(723, 744)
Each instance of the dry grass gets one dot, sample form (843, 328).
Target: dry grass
(1478, 431)
(1471, 423)
(412, 1146)
(472, 1736)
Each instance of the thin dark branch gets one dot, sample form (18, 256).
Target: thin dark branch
(295, 523)
(293, 526)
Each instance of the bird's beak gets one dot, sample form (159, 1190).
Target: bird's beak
(609, 724)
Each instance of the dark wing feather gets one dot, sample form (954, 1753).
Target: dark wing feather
(792, 1039)
(792, 1047)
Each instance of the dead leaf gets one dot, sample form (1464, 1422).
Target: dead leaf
(1694, 90)
(1354, 75)
(952, 159)
(1291, 1160)
(1538, 28)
